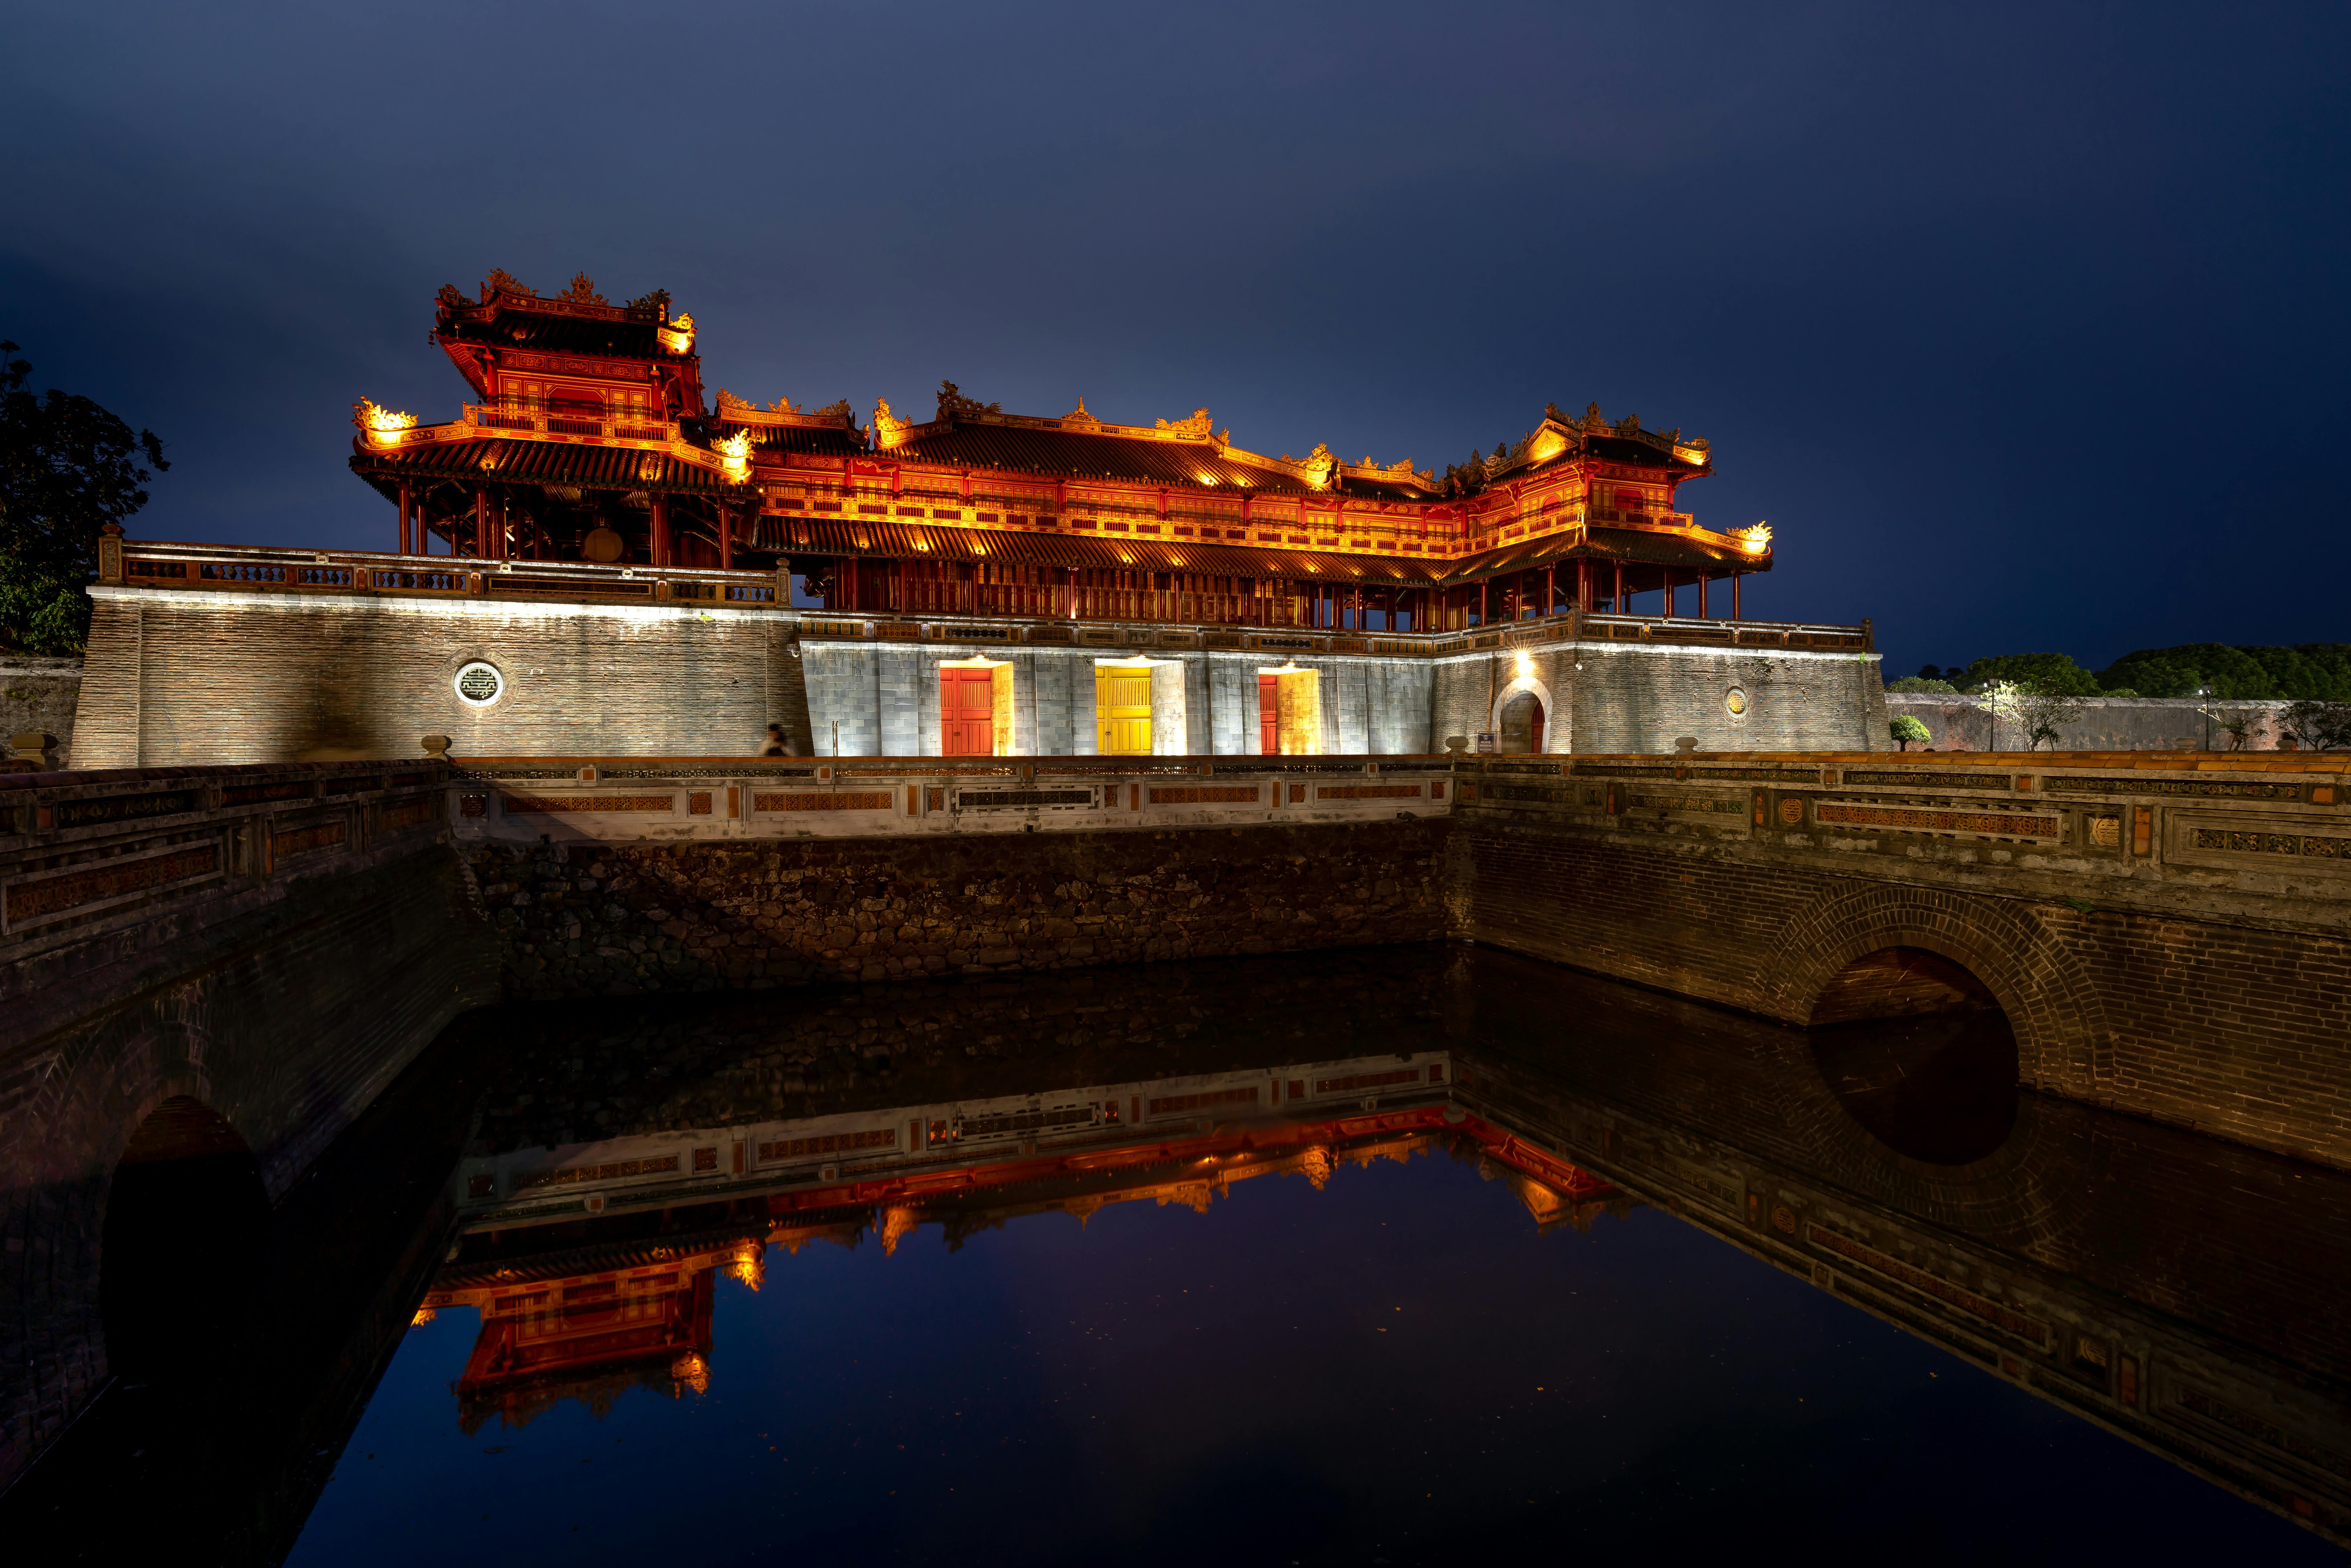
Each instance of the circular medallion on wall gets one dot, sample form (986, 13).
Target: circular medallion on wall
(1791, 811)
(478, 683)
(602, 546)
(1735, 702)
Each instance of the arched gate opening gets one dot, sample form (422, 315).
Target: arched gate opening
(186, 1220)
(1919, 1051)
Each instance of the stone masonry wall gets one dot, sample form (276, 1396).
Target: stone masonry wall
(2105, 723)
(287, 1016)
(186, 677)
(2217, 1023)
(622, 919)
(40, 694)
(1625, 697)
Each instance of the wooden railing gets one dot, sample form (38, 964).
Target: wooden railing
(932, 609)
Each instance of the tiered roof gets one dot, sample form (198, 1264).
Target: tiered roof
(1551, 496)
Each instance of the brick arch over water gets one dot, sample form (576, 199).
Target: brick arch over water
(2051, 1002)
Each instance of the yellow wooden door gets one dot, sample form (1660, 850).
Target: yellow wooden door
(1121, 711)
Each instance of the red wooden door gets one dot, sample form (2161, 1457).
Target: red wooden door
(967, 713)
(1268, 716)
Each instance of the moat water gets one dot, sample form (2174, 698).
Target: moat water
(1393, 1257)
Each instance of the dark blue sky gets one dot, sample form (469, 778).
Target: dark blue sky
(2024, 327)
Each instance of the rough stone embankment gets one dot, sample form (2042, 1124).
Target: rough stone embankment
(622, 919)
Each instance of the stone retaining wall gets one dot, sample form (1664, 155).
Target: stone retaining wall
(619, 919)
(39, 696)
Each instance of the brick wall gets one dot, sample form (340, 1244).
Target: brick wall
(2226, 1024)
(186, 677)
(287, 1009)
(624, 918)
(180, 677)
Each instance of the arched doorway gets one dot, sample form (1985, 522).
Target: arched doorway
(1523, 724)
(186, 1219)
(1919, 1051)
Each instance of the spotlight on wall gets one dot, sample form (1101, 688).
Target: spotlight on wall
(1526, 665)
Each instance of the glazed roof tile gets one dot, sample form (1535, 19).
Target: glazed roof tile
(819, 440)
(545, 463)
(1630, 544)
(536, 333)
(1078, 454)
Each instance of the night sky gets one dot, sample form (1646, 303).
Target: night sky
(2024, 328)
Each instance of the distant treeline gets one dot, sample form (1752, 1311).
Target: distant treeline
(2308, 672)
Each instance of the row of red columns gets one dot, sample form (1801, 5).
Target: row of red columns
(416, 540)
(1584, 595)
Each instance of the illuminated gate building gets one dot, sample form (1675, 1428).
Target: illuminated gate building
(984, 582)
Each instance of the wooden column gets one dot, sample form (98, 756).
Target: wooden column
(481, 518)
(407, 508)
(660, 542)
(1669, 592)
(1702, 581)
(1734, 595)
(1485, 600)
(1616, 604)
(1550, 587)
(727, 539)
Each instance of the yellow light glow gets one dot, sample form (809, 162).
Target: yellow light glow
(1755, 539)
(735, 456)
(1526, 666)
(383, 425)
(749, 1265)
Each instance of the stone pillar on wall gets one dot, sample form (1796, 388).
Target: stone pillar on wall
(1056, 710)
(1233, 678)
(1170, 709)
(897, 701)
(1199, 710)
(1024, 702)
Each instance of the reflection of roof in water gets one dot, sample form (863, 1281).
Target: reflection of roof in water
(2213, 1336)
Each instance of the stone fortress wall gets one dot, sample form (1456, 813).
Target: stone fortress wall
(183, 677)
(2106, 723)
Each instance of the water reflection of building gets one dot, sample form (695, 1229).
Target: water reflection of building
(593, 1267)
(2180, 1293)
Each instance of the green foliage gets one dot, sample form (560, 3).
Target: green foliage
(1907, 728)
(2054, 674)
(67, 467)
(1921, 683)
(2317, 726)
(2315, 671)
